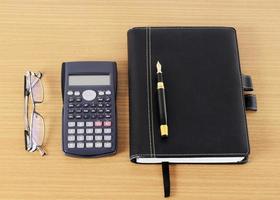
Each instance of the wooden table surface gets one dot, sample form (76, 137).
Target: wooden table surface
(40, 35)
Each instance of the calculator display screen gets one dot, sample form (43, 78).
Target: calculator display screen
(82, 80)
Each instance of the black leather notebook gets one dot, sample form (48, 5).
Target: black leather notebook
(204, 96)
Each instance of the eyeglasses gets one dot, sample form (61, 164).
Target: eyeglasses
(34, 131)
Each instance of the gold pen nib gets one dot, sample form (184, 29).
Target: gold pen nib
(158, 67)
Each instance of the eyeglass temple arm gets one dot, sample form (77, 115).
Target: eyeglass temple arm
(26, 94)
(25, 138)
(26, 133)
(25, 89)
(42, 151)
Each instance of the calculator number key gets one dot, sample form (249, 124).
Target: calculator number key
(107, 144)
(71, 145)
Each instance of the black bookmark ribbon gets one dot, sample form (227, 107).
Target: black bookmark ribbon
(166, 179)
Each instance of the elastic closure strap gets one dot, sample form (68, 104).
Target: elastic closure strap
(247, 83)
(251, 102)
(249, 98)
(166, 179)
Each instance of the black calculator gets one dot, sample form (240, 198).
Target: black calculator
(89, 121)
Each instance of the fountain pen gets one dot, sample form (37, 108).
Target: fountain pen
(161, 103)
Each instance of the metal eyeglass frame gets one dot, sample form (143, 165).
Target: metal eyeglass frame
(30, 144)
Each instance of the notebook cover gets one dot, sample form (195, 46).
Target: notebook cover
(204, 95)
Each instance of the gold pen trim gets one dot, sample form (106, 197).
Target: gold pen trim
(160, 85)
(164, 130)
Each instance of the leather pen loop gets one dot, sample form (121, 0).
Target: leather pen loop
(166, 178)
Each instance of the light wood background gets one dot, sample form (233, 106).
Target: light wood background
(40, 35)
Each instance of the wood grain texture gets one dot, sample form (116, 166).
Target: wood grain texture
(40, 35)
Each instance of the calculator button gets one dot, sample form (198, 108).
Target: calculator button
(107, 115)
(71, 145)
(107, 99)
(93, 110)
(93, 104)
(80, 131)
(85, 110)
(80, 145)
(108, 92)
(77, 93)
(89, 95)
(86, 116)
(71, 105)
(107, 104)
(93, 116)
(70, 92)
(78, 116)
(101, 116)
(71, 124)
(98, 144)
(80, 124)
(89, 130)
(89, 137)
(107, 144)
(98, 123)
(89, 124)
(71, 99)
(78, 105)
(71, 131)
(89, 144)
(107, 123)
(70, 116)
(100, 105)
(86, 105)
(100, 110)
(100, 99)
(98, 130)
(107, 130)
(101, 92)
(78, 110)
(71, 138)
(78, 99)
(71, 111)
(107, 110)
(98, 137)
(80, 138)
(107, 137)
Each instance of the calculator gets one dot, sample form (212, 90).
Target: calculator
(89, 121)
